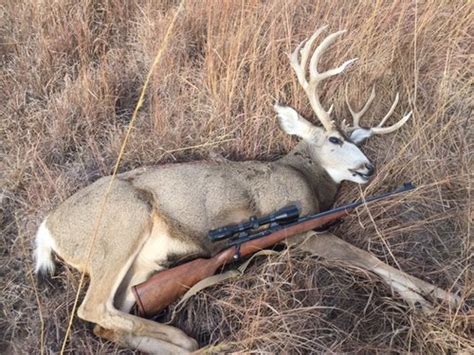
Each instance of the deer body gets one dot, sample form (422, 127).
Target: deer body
(154, 216)
(195, 197)
(157, 215)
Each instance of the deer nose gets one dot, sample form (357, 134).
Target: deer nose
(370, 169)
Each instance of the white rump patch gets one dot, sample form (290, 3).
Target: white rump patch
(45, 245)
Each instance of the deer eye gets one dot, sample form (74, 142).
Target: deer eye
(335, 140)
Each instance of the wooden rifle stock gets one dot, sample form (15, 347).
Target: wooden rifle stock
(167, 286)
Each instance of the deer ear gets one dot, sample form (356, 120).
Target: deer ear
(361, 134)
(292, 123)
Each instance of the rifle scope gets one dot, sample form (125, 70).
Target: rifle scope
(285, 215)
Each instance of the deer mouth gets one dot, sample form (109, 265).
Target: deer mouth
(363, 176)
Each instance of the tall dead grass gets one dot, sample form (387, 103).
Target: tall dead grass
(70, 77)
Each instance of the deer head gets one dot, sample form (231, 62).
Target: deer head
(333, 148)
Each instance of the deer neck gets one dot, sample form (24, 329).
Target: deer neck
(323, 186)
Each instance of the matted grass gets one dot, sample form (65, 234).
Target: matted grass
(71, 74)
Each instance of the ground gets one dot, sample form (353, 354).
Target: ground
(71, 73)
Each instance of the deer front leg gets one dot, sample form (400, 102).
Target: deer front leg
(414, 291)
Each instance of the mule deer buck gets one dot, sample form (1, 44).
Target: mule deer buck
(155, 215)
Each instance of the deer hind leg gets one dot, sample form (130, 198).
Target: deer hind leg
(126, 329)
(414, 291)
(109, 298)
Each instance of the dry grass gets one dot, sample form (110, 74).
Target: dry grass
(70, 76)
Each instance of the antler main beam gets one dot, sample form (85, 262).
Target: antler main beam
(311, 86)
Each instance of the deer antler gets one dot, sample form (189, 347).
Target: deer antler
(311, 87)
(358, 133)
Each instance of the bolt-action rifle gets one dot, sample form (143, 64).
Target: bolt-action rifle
(243, 239)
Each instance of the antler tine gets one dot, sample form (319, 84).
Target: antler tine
(394, 127)
(357, 115)
(313, 64)
(353, 113)
(300, 66)
(330, 109)
(384, 130)
(310, 86)
(300, 74)
(344, 126)
(389, 113)
(308, 45)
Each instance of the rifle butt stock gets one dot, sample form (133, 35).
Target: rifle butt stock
(165, 287)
